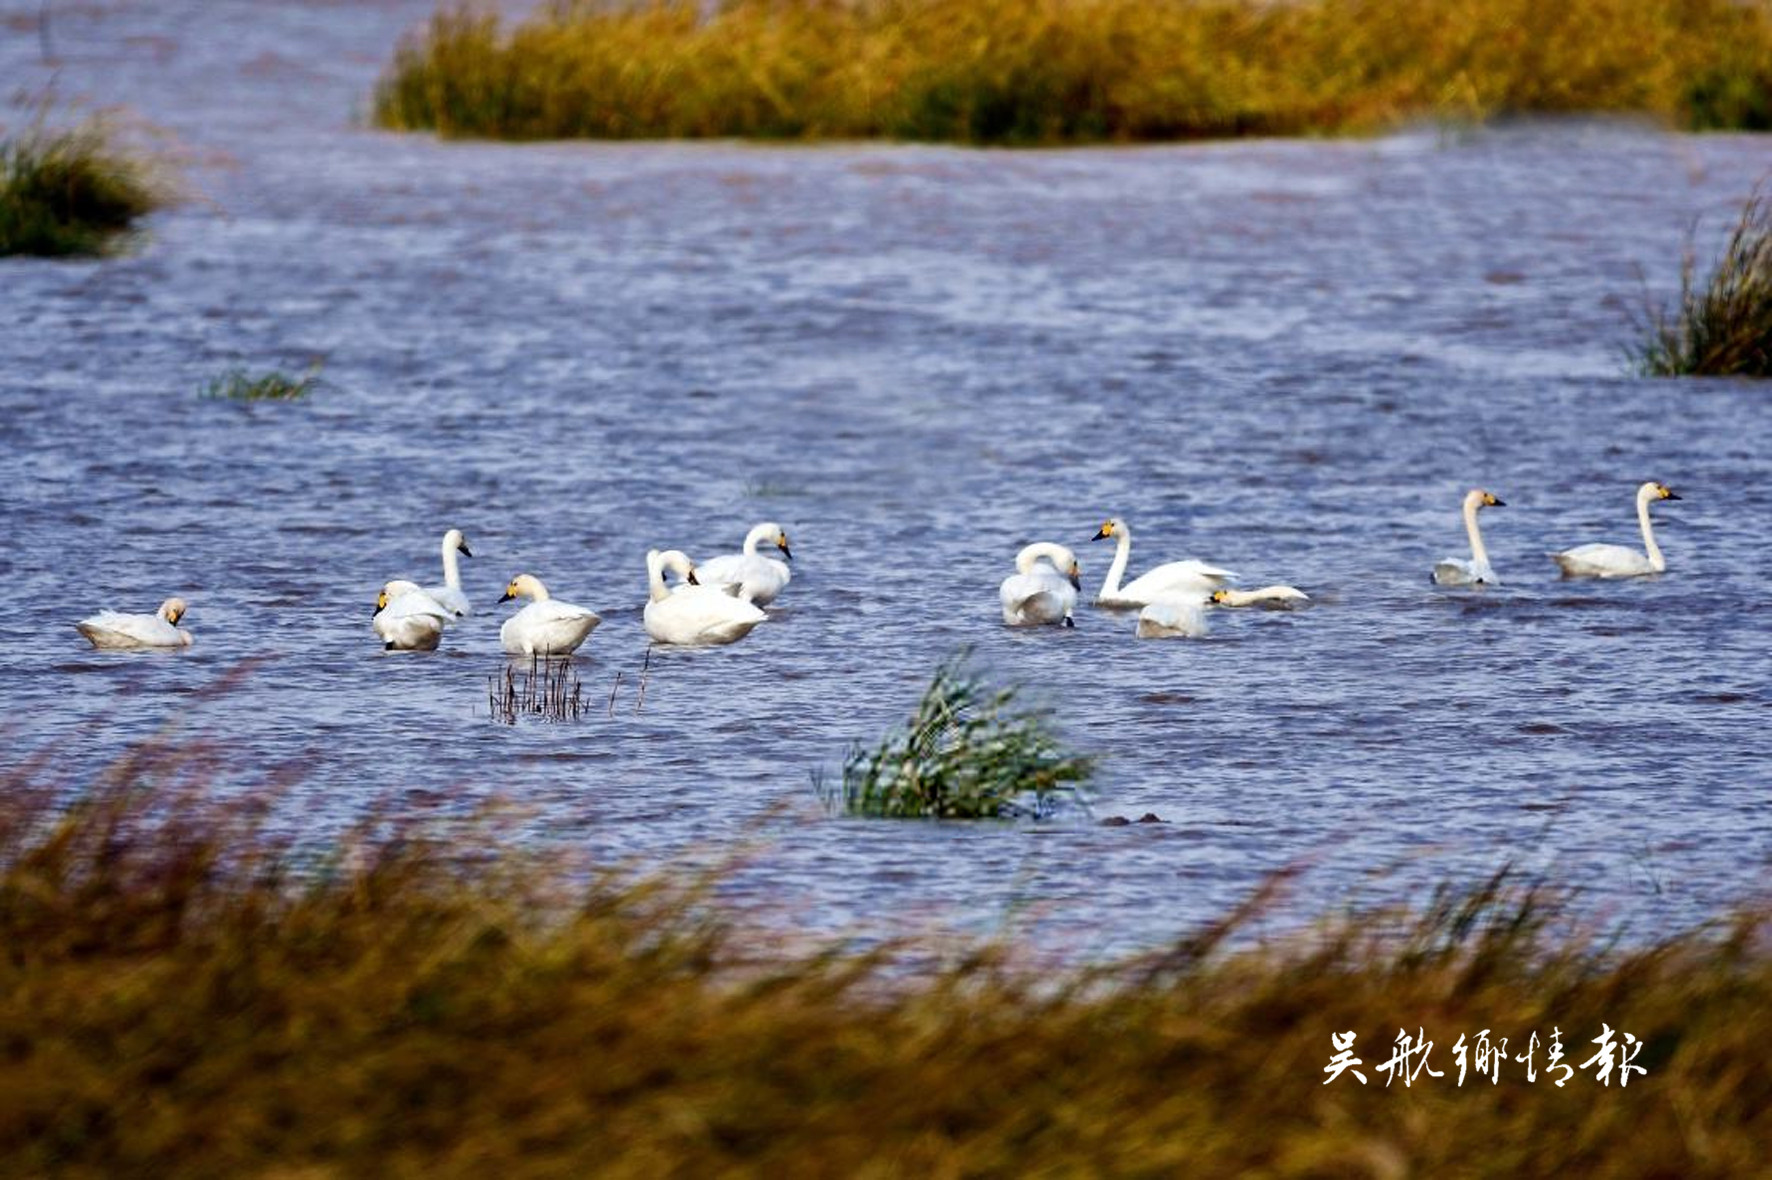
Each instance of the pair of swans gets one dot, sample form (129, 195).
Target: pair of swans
(1583, 561)
(114, 631)
(410, 617)
(694, 613)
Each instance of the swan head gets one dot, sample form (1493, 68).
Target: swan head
(1220, 597)
(525, 586)
(172, 610)
(1478, 498)
(1656, 490)
(389, 592)
(454, 540)
(1115, 527)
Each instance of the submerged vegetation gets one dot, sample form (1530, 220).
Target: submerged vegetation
(70, 192)
(241, 386)
(180, 997)
(967, 753)
(1722, 326)
(1071, 71)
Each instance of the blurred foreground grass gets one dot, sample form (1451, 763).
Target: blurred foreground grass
(1072, 71)
(70, 192)
(180, 996)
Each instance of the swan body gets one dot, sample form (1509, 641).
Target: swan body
(1456, 571)
(113, 630)
(691, 614)
(1620, 561)
(407, 618)
(545, 627)
(1188, 577)
(1178, 616)
(1043, 588)
(1267, 595)
(750, 575)
(449, 594)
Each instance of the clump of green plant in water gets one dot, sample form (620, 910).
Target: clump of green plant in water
(70, 192)
(968, 753)
(1721, 327)
(240, 386)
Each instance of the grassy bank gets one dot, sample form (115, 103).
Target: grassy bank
(70, 192)
(176, 999)
(1722, 324)
(1072, 71)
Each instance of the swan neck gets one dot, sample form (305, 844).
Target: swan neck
(1656, 561)
(451, 570)
(655, 583)
(1479, 555)
(1110, 585)
(752, 538)
(538, 591)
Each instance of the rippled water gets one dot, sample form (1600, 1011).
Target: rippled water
(1291, 358)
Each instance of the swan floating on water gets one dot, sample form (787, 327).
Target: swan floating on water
(1456, 571)
(756, 578)
(1188, 577)
(449, 595)
(1043, 588)
(1620, 561)
(1267, 595)
(692, 615)
(407, 618)
(1177, 616)
(545, 627)
(113, 630)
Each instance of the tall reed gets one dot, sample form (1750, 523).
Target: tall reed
(1070, 71)
(1722, 326)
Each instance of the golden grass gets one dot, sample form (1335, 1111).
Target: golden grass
(1072, 71)
(71, 192)
(177, 998)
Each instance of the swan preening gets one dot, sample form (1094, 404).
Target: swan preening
(1620, 561)
(750, 575)
(691, 614)
(546, 626)
(1174, 617)
(113, 630)
(1043, 588)
(408, 618)
(449, 594)
(1456, 571)
(1266, 596)
(1188, 578)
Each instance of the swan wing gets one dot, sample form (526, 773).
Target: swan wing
(451, 600)
(551, 628)
(1040, 597)
(1172, 618)
(1459, 571)
(1602, 561)
(114, 630)
(701, 616)
(756, 578)
(1176, 576)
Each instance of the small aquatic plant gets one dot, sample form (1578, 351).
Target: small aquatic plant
(967, 753)
(1722, 326)
(70, 192)
(548, 689)
(241, 386)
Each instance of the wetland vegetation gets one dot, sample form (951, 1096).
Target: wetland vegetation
(1721, 326)
(71, 192)
(1071, 71)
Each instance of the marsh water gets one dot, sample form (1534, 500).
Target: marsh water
(1290, 358)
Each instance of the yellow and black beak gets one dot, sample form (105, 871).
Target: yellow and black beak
(691, 578)
(507, 595)
(381, 604)
(781, 543)
(1668, 493)
(465, 551)
(1076, 576)
(1497, 502)
(1106, 530)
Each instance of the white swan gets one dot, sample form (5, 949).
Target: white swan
(757, 578)
(449, 593)
(1274, 595)
(547, 626)
(407, 618)
(1619, 561)
(1456, 571)
(113, 630)
(1176, 616)
(692, 615)
(1185, 577)
(1043, 588)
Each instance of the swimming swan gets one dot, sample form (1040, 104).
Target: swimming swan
(449, 594)
(757, 578)
(1043, 588)
(1456, 571)
(1274, 595)
(1174, 617)
(547, 626)
(1619, 561)
(1185, 577)
(692, 615)
(112, 630)
(407, 618)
